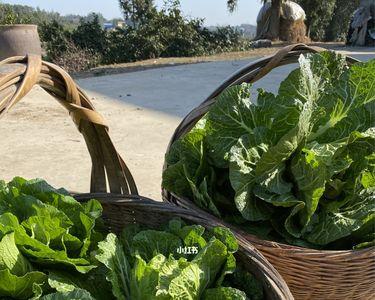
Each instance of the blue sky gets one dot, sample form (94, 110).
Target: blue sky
(214, 11)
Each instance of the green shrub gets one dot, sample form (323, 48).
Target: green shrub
(152, 33)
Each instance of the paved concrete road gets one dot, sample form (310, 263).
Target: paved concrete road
(142, 108)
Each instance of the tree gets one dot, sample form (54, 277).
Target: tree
(318, 16)
(137, 11)
(339, 25)
(89, 34)
(273, 30)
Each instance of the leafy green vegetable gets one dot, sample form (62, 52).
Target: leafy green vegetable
(52, 247)
(94, 282)
(113, 257)
(301, 161)
(20, 287)
(154, 268)
(224, 293)
(76, 294)
(43, 229)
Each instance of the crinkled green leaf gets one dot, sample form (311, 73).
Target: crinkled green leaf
(20, 287)
(168, 271)
(243, 159)
(189, 284)
(144, 278)
(332, 226)
(113, 257)
(211, 259)
(312, 168)
(94, 282)
(353, 96)
(232, 116)
(226, 237)
(83, 216)
(37, 251)
(76, 294)
(11, 258)
(149, 243)
(245, 281)
(224, 293)
(191, 235)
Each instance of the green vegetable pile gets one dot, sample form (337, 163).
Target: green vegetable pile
(296, 167)
(146, 264)
(43, 231)
(53, 247)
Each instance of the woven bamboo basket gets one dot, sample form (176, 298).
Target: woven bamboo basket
(111, 181)
(310, 274)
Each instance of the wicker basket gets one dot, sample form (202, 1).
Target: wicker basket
(310, 274)
(111, 181)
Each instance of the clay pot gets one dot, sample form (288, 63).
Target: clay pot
(19, 40)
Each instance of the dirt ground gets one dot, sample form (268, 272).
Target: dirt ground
(175, 61)
(143, 108)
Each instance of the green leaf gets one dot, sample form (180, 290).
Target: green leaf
(283, 200)
(76, 294)
(232, 116)
(293, 224)
(245, 281)
(312, 168)
(168, 271)
(11, 258)
(211, 259)
(81, 216)
(51, 228)
(353, 98)
(224, 293)
(149, 243)
(190, 283)
(113, 257)
(188, 173)
(191, 235)
(226, 237)
(19, 287)
(37, 251)
(229, 267)
(358, 211)
(243, 159)
(144, 278)
(202, 197)
(94, 282)
(185, 161)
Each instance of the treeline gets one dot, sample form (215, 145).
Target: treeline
(23, 14)
(328, 20)
(151, 33)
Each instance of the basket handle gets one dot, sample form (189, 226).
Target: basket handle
(250, 73)
(17, 77)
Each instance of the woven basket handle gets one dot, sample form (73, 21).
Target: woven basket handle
(250, 73)
(17, 77)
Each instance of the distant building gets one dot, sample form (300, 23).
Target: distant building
(113, 25)
(108, 26)
(121, 24)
